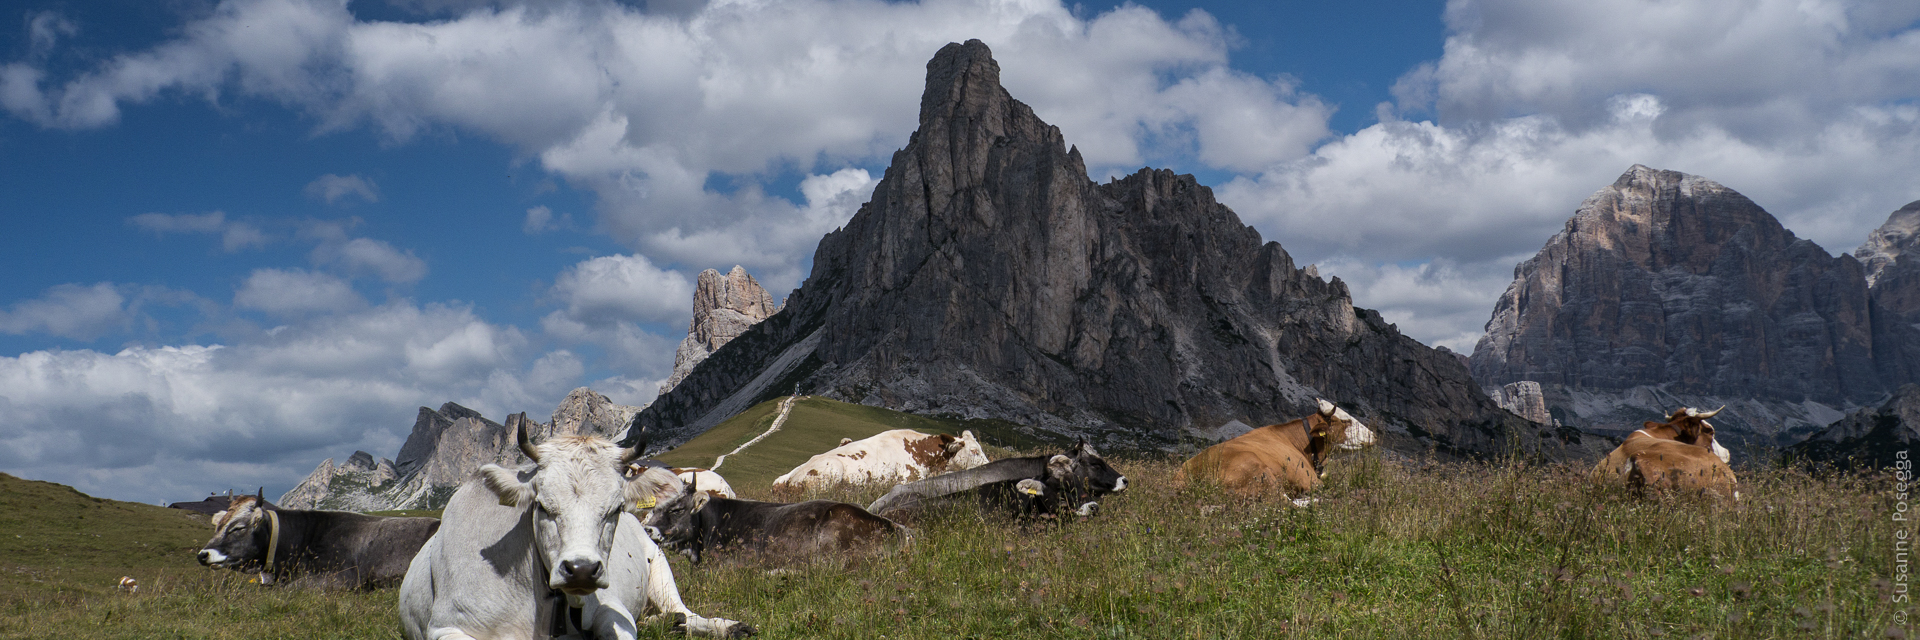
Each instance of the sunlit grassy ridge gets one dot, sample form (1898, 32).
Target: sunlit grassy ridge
(814, 426)
(1392, 550)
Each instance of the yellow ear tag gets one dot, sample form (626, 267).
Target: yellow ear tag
(1030, 491)
(646, 503)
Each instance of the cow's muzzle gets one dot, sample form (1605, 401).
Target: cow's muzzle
(1120, 485)
(580, 577)
(211, 558)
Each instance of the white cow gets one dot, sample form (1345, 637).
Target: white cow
(518, 549)
(900, 455)
(706, 480)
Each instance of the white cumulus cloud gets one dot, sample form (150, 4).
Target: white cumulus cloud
(295, 293)
(170, 423)
(330, 188)
(69, 311)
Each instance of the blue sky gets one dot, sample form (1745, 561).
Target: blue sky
(244, 236)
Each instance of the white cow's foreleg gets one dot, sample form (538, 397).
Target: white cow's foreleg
(608, 619)
(663, 596)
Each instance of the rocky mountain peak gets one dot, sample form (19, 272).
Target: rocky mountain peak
(586, 412)
(1671, 279)
(1899, 236)
(1666, 289)
(988, 277)
(724, 306)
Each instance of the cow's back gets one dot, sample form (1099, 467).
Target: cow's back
(1255, 461)
(1667, 465)
(387, 547)
(900, 455)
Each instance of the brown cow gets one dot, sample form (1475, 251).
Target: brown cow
(1679, 455)
(1289, 457)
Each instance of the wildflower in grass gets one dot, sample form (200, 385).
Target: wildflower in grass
(1741, 590)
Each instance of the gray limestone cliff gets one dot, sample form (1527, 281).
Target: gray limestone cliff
(1891, 255)
(1524, 399)
(989, 278)
(445, 447)
(585, 412)
(1667, 289)
(724, 306)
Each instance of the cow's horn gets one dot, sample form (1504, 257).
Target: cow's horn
(1710, 414)
(526, 445)
(261, 493)
(640, 441)
(1326, 408)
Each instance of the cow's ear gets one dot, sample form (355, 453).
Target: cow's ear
(846, 441)
(653, 485)
(700, 500)
(951, 445)
(1326, 408)
(220, 519)
(506, 484)
(1059, 466)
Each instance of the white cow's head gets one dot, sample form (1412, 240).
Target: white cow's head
(1333, 429)
(968, 454)
(1344, 430)
(577, 491)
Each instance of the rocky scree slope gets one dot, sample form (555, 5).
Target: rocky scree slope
(989, 278)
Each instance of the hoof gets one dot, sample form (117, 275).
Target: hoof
(678, 623)
(741, 630)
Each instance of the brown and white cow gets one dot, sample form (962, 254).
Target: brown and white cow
(1289, 457)
(900, 455)
(1679, 455)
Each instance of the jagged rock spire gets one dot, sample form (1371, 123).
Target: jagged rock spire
(989, 277)
(723, 308)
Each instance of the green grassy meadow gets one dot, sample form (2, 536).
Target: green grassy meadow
(1394, 549)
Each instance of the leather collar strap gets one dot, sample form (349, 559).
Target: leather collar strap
(273, 538)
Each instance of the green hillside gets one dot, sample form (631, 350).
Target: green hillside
(815, 426)
(62, 553)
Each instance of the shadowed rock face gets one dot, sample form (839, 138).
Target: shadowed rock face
(1892, 258)
(1664, 278)
(1869, 437)
(989, 278)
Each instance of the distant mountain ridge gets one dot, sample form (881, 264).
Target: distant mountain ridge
(1667, 289)
(989, 278)
(445, 448)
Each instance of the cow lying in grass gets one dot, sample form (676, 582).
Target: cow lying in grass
(1288, 458)
(549, 549)
(900, 455)
(697, 522)
(314, 548)
(1679, 456)
(1014, 486)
